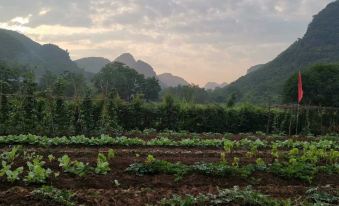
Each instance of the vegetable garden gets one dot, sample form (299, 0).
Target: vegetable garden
(169, 168)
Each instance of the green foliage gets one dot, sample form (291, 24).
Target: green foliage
(187, 200)
(260, 164)
(235, 195)
(12, 154)
(188, 93)
(55, 195)
(111, 154)
(170, 113)
(154, 166)
(17, 48)
(36, 171)
(319, 45)
(60, 116)
(321, 198)
(295, 169)
(125, 81)
(74, 167)
(102, 165)
(320, 82)
(11, 175)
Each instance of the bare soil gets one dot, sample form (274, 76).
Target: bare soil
(149, 189)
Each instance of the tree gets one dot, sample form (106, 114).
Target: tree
(125, 81)
(9, 78)
(231, 100)
(188, 93)
(87, 115)
(4, 114)
(151, 88)
(60, 113)
(320, 85)
(169, 113)
(29, 104)
(47, 81)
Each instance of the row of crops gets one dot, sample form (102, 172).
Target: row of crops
(31, 162)
(36, 170)
(247, 143)
(303, 164)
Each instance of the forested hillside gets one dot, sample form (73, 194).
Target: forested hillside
(320, 44)
(18, 49)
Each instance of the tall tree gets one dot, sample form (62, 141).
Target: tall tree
(87, 115)
(60, 113)
(169, 113)
(124, 80)
(29, 104)
(151, 89)
(4, 114)
(320, 85)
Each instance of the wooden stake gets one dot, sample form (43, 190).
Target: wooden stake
(296, 128)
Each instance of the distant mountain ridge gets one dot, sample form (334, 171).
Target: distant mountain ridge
(19, 49)
(170, 80)
(320, 44)
(94, 64)
(254, 68)
(214, 85)
(140, 66)
(16, 48)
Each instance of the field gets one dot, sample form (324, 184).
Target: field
(169, 168)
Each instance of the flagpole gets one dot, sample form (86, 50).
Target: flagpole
(300, 97)
(297, 123)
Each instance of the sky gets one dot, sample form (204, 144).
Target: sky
(199, 40)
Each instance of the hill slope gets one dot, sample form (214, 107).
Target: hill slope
(140, 66)
(92, 64)
(170, 80)
(320, 44)
(17, 48)
(165, 80)
(214, 85)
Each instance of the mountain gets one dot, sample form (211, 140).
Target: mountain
(320, 44)
(254, 68)
(127, 59)
(170, 80)
(214, 85)
(16, 48)
(140, 66)
(165, 80)
(92, 64)
(144, 68)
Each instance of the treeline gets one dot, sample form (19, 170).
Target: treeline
(109, 115)
(63, 105)
(115, 77)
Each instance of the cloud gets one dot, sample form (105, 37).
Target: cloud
(218, 39)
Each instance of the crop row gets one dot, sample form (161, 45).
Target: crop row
(295, 164)
(37, 172)
(165, 141)
(294, 168)
(247, 196)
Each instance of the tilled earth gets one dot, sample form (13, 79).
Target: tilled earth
(149, 189)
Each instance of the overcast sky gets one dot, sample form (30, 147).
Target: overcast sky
(199, 40)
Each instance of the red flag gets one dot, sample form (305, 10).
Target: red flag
(300, 88)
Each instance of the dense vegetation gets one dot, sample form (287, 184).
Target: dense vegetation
(319, 45)
(87, 116)
(126, 82)
(320, 85)
(51, 172)
(118, 99)
(19, 49)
